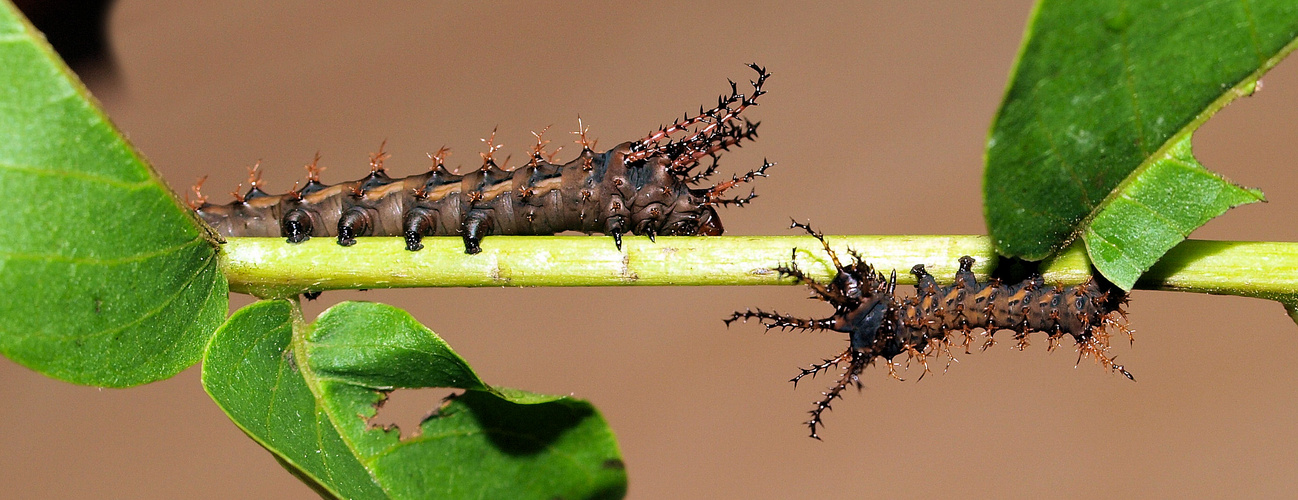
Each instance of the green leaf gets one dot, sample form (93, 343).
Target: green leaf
(250, 372)
(1092, 139)
(306, 393)
(1155, 210)
(107, 279)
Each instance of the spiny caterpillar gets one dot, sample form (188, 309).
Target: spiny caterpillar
(881, 324)
(640, 187)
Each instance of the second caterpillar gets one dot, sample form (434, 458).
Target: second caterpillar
(880, 324)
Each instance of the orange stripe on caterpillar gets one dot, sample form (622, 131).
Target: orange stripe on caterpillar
(880, 324)
(644, 187)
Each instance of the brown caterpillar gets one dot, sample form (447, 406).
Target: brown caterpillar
(881, 324)
(640, 187)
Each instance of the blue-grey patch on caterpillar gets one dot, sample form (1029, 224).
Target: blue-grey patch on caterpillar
(642, 187)
(881, 324)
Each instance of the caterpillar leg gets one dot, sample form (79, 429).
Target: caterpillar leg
(418, 222)
(477, 224)
(414, 240)
(354, 222)
(616, 226)
(296, 226)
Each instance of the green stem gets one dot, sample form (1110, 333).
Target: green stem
(269, 267)
(1262, 269)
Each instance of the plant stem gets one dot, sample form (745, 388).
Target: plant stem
(1263, 269)
(269, 267)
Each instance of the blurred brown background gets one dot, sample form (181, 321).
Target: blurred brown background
(877, 114)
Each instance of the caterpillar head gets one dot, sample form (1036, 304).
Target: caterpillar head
(709, 224)
(675, 153)
(870, 296)
(692, 216)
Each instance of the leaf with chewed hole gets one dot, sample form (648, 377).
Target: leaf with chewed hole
(325, 379)
(1092, 139)
(107, 280)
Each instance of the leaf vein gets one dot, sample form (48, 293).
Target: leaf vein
(147, 315)
(1110, 244)
(192, 318)
(1156, 214)
(1129, 79)
(1063, 162)
(1253, 36)
(279, 379)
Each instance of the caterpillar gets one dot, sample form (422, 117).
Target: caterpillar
(643, 187)
(881, 324)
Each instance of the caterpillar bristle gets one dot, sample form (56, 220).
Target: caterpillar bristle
(199, 199)
(377, 158)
